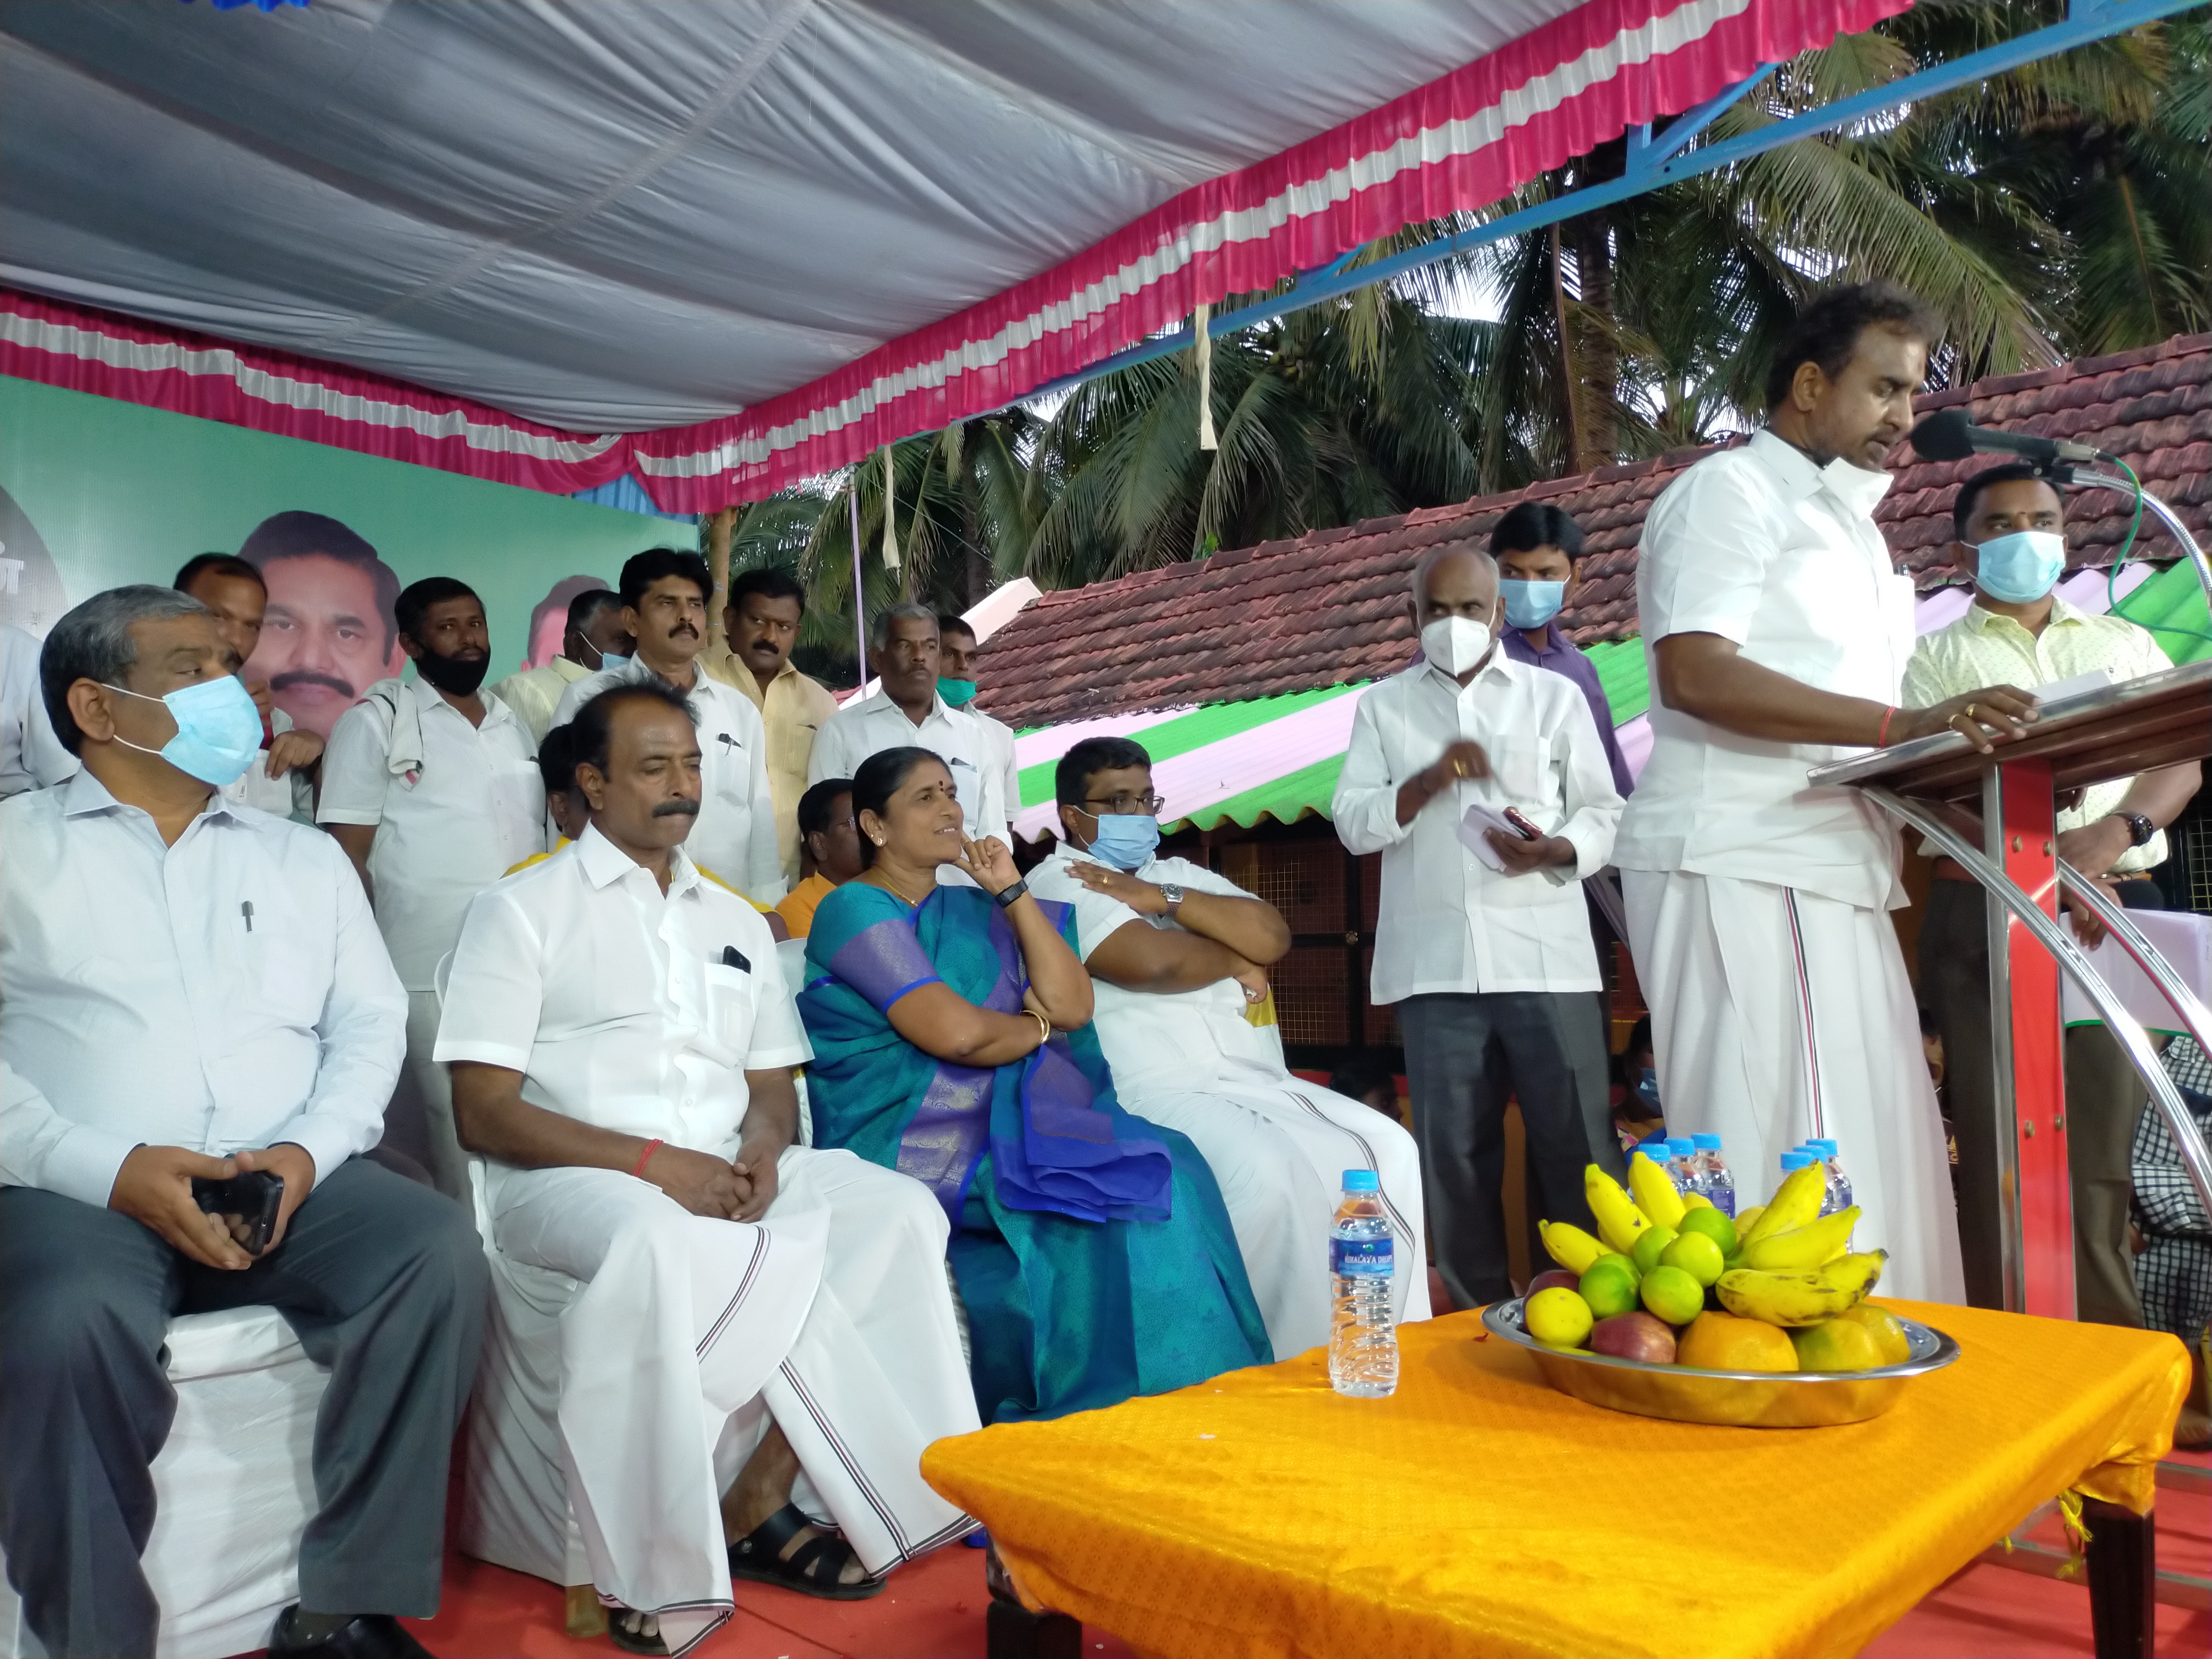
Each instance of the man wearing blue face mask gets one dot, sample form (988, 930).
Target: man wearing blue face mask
(1178, 957)
(2008, 522)
(193, 989)
(1538, 549)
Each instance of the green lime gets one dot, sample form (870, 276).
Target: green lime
(1649, 1243)
(1713, 1225)
(1628, 1262)
(1609, 1286)
(1557, 1317)
(1672, 1295)
(1696, 1255)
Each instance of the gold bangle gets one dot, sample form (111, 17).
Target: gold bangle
(1044, 1026)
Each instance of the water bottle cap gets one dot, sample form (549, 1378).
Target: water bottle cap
(1825, 1148)
(1650, 1141)
(1362, 1180)
(1795, 1161)
(1707, 1143)
(1681, 1145)
(1654, 1150)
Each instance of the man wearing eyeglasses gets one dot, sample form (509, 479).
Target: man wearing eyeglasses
(1179, 956)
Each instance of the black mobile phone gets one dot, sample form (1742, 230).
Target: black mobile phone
(253, 1195)
(1528, 831)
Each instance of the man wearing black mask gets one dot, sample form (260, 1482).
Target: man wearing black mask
(431, 787)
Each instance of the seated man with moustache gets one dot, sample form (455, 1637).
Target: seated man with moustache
(1177, 953)
(622, 1044)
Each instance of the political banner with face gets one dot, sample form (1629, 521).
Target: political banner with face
(94, 493)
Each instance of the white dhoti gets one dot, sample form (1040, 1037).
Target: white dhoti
(1779, 1015)
(662, 1343)
(1279, 1152)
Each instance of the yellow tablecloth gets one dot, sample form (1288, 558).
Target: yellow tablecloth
(1477, 1512)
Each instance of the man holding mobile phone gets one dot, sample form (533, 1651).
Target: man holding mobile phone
(1487, 956)
(193, 991)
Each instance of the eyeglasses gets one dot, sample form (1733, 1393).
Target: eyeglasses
(1127, 805)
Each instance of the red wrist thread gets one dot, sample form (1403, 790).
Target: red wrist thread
(1881, 738)
(651, 1147)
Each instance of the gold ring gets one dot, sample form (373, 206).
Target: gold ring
(1459, 768)
(1968, 711)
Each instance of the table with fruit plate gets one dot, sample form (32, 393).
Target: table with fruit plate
(1477, 1512)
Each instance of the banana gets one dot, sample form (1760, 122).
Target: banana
(1570, 1246)
(1654, 1192)
(1696, 1201)
(1813, 1245)
(1789, 1300)
(1618, 1221)
(1856, 1275)
(1747, 1219)
(1795, 1201)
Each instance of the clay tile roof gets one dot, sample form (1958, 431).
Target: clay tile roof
(1328, 608)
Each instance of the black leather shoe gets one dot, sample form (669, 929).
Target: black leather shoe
(371, 1636)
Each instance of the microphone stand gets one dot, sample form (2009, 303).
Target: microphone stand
(2088, 477)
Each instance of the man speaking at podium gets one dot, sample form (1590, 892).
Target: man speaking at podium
(1776, 631)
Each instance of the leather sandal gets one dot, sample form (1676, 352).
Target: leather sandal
(813, 1569)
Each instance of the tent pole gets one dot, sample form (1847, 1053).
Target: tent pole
(860, 594)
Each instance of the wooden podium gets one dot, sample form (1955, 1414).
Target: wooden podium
(1993, 814)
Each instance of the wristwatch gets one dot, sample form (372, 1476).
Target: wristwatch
(1173, 895)
(2140, 829)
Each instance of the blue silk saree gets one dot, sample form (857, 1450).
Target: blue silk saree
(1091, 1249)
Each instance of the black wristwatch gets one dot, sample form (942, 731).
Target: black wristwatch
(2140, 829)
(1006, 896)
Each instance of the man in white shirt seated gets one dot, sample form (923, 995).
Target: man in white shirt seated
(621, 1042)
(30, 757)
(908, 711)
(594, 639)
(281, 778)
(1178, 955)
(1486, 954)
(192, 990)
(664, 595)
(432, 788)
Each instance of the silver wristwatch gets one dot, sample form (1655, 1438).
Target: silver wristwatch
(1173, 895)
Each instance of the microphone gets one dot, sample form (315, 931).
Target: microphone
(1950, 434)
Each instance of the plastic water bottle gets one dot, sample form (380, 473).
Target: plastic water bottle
(1838, 1196)
(1715, 1183)
(1363, 1342)
(1794, 1160)
(1681, 1150)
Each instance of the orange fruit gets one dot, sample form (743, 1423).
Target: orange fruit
(1717, 1341)
(1890, 1340)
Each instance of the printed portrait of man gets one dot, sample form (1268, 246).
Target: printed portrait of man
(549, 617)
(329, 633)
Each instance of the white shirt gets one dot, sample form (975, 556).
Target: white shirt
(1449, 922)
(981, 770)
(1760, 546)
(445, 831)
(31, 757)
(734, 835)
(141, 1004)
(1162, 1040)
(618, 1005)
(289, 796)
(999, 737)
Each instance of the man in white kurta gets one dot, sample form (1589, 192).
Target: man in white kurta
(1777, 631)
(1177, 956)
(664, 595)
(622, 1039)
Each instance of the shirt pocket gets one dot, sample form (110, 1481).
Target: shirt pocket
(1518, 764)
(732, 1007)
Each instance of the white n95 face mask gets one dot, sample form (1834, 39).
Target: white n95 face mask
(1456, 644)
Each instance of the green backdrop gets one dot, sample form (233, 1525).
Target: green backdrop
(121, 493)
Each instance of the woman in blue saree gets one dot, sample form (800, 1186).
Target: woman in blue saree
(951, 1036)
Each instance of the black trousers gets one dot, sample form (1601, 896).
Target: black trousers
(385, 1285)
(1466, 1056)
(2104, 1098)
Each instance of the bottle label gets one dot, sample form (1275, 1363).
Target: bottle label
(1360, 1257)
(1724, 1200)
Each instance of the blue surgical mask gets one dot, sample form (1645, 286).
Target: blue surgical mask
(610, 659)
(218, 729)
(1647, 1090)
(957, 694)
(1531, 604)
(1126, 839)
(2022, 568)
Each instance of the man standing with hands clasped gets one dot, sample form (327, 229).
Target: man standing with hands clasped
(1487, 951)
(1777, 629)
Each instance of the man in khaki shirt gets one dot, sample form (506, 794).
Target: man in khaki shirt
(749, 648)
(595, 639)
(2010, 539)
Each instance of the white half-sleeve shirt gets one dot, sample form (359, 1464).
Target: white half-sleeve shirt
(734, 835)
(1162, 1040)
(622, 1006)
(1760, 546)
(979, 764)
(229, 991)
(445, 831)
(1448, 923)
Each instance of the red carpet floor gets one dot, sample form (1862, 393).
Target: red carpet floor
(934, 1610)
